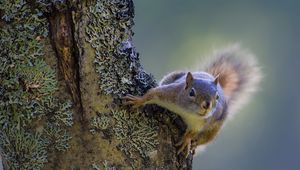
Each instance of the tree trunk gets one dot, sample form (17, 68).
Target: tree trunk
(65, 64)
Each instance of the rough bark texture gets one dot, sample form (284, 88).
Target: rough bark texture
(64, 67)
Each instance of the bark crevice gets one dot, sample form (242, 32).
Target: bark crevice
(63, 42)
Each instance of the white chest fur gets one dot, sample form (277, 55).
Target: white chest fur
(193, 121)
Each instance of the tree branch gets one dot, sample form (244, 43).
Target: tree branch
(96, 58)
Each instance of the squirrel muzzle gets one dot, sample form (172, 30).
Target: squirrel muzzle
(205, 107)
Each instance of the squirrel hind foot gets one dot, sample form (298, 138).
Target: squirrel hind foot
(185, 144)
(185, 148)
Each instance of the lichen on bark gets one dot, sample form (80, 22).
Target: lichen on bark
(65, 66)
(28, 88)
(117, 64)
(116, 60)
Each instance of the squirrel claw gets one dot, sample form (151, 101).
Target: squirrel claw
(135, 101)
(179, 143)
(185, 144)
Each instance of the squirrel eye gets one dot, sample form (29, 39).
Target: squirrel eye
(192, 93)
(217, 96)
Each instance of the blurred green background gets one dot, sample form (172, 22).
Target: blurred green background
(175, 34)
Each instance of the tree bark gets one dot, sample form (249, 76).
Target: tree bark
(64, 67)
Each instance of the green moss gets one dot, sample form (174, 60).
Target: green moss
(138, 135)
(13, 9)
(106, 166)
(27, 90)
(56, 137)
(49, 5)
(109, 32)
(101, 122)
(96, 166)
(63, 114)
(28, 150)
(116, 60)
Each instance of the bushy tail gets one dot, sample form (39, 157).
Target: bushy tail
(239, 74)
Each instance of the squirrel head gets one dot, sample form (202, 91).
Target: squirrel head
(200, 96)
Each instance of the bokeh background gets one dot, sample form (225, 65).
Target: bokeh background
(176, 34)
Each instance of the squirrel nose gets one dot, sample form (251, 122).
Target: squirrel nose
(205, 105)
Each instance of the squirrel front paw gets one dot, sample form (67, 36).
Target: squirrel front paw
(135, 101)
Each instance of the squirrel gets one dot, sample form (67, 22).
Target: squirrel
(203, 99)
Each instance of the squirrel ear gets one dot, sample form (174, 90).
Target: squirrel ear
(216, 81)
(189, 80)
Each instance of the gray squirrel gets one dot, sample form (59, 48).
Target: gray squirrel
(203, 99)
